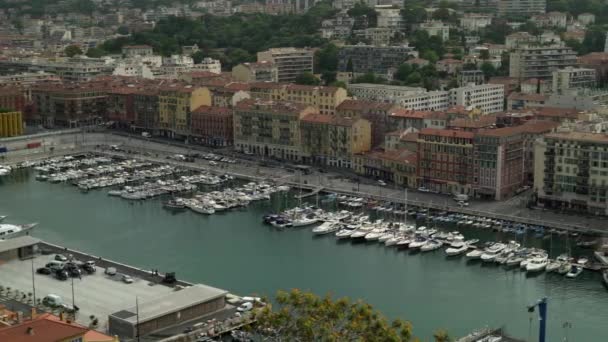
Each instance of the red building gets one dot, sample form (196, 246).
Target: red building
(444, 160)
(120, 107)
(212, 126)
(13, 98)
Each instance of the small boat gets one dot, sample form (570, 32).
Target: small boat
(553, 266)
(392, 241)
(605, 277)
(564, 268)
(304, 221)
(514, 261)
(344, 233)
(586, 244)
(326, 228)
(454, 251)
(417, 243)
(2, 218)
(175, 204)
(403, 243)
(431, 245)
(474, 254)
(384, 237)
(574, 272)
(582, 261)
(537, 264)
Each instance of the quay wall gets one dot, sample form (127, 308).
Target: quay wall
(66, 142)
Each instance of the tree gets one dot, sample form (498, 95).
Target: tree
(124, 30)
(326, 58)
(430, 56)
(484, 54)
(488, 70)
(72, 50)
(95, 52)
(441, 336)
(349, 65)
(370, 78)
(414, 78)
(197, 57)
(403, 72)
(307, 78)
(302, 316)
(363, 13)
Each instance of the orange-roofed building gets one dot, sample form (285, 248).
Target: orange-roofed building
(517, 101)
(332, 140)
(377, 113)
(212, 126)
(395, 166)
(49, 328)
(472, 125)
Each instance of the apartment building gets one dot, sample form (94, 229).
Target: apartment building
(209, 65)
(270, 128)
(11, 123)
(396, 166)
(69, 105)
(521, 8)
(146, 107)
(375, 59)
(332, 140)
(597, 61)
(256, 72)
(375, 35)
(137, 50)
(436, 28)
(325, 99)
(570, 77)
(12, 97)
(540, 61)
(290, 62)
(381, 92)
(119, 106)
(176, 102)
(489, 98)
(444, 160)
(389, 17)
(571, 172)
(472, 22)
(338, 27)
(377, 113)
(212, 126)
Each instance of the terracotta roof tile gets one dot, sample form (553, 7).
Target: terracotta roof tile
(446, 133)
(42, 329)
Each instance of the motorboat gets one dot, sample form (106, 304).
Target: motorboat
(304, 221)
(326, 228)
(392, 241)
(605, 278)
(564, 268)
(515, 260)
(2, 218)
(404, 243)
(553, 266)
(575, 271)
(386, 236)
(202, 209)
(491, 252)
(474, 254)
(374, 235)
(344, 233)
(175, 204)
(582, 261)
(8, 231)
(417, 243)
(431, 245)
(537, 264)
(454, 251)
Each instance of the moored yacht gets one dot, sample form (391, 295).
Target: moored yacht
(537, 264)
(326, 228)
(8, 231)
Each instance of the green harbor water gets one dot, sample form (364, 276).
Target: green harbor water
(235, 251)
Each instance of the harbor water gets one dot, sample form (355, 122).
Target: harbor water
(234, 250)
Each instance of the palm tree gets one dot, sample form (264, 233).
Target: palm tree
(441, 336)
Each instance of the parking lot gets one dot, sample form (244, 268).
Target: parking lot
(95, 294)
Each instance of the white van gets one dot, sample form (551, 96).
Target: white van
(52, 300)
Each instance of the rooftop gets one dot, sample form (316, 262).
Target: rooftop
(213, 110)
(447, 133)
(528, 97)
(18, 242)
(41, 329)
(480, 122)
(329, 119)
(171, 302)
(282, 107)
(580, 136)
(361, 105)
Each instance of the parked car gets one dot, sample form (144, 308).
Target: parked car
(423, 189)
(44, 270)
(89, 267)
(62, 275)
(245, 307)
(74, 272)
(381, 182)
(127, 279)
(52, 300)
(68, 308)
(55, 265)
(111, 271)
(60, 257)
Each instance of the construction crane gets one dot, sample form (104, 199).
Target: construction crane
(542, 315)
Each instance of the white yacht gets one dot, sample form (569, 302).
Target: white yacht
(5, 170)
(344, 233)
(2, 218)
(491, 252)
(304, 221)
(537, 264)
(8, 231)
(575, 271)
(474, 254)
(456, 249)
(431, 245)
(375, 234)
(417, 243)
(326, 228)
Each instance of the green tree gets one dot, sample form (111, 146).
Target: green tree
(484, 54)
(414, 78)
(488, 70)
(302, 316)
(403, 72)
(441, 336)
(95, 52)
(326, 59)
(363, 13)
(349, 65)
(72, 50)
(370, 78)
(198, 56)
(307, 78)
(430, 56)
(413, 13)
(124, 30)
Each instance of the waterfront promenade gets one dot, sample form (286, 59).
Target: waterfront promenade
(340, 181)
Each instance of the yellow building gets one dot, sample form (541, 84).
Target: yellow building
(11, 124)
(176, 103)
(397, 166)
(325, 99)
(270, 128)
(332, 141)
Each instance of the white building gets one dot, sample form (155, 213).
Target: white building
(290, 62)
(339, 27)
(133, 70)
(389, 17)
(436, 28)
(540, 62)
(137, 50)
(569, 78)
(381, 92)
(586, 18)
(474, 21)
(209, 64)
(551, 20)
(489, 98)
(521, 7)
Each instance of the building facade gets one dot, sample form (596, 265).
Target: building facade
(176, 103)
(571, 172)
(361, 58)
(570, 77)
(256, 72)
(270, 128)
(212, 126)
(521, 8)
(11, 124)
(489, 98)
(333, 140)
(540, 62)
(290, 62)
